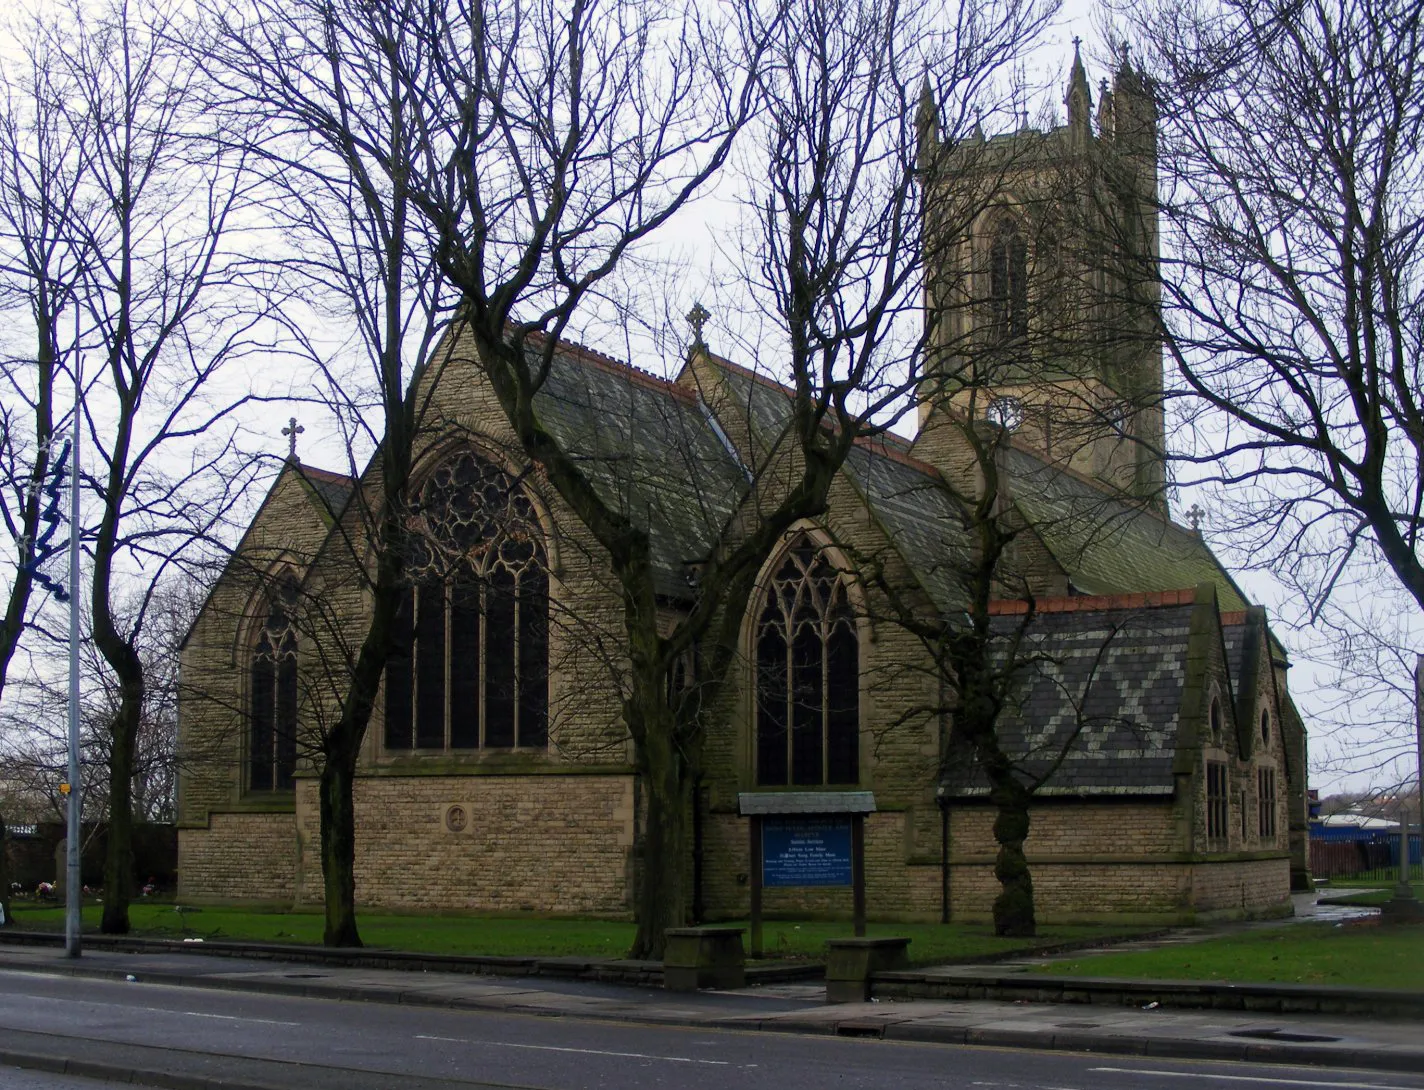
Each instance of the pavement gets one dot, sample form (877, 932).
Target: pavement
(799, 1007)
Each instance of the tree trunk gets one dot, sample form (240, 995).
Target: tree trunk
(662, 891)
(118, 854)
(338, 850)
(4, 878)
(1013, 907)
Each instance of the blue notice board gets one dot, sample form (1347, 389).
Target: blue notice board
(806, 851)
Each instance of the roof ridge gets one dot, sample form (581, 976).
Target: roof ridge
(1087, 603)
(883, 442)
(1133, 502)
(877, 445)
(755, 376)
(312, 471)
(582, 353)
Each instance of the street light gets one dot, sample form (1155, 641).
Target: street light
(73, 873)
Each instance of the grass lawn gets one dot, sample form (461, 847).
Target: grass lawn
(1346, 895)
(1362, 955)
(930, 943)
(524, 936)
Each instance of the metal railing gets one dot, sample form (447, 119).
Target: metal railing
(1373, 859)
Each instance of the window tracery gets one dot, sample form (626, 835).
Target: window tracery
(272, 695)
(808, 676)
(469, 669)
(1008, 283)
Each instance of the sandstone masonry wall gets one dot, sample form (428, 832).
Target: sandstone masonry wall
(557, 843)
(249, 857)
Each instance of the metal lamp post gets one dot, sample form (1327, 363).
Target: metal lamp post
(73, 872)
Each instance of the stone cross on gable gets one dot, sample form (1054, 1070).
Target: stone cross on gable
(291, 431)
(1195, 514)
(698, 317)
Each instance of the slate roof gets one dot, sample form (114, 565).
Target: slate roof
(651, 452)
(332, 489)
(1106, 685)
(918, 515)
(1108, 546)
(904, 494)
(1234, 637)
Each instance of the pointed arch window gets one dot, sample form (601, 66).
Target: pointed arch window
(469, 669)
(808, 676)
(272, 696)
(1008, 283)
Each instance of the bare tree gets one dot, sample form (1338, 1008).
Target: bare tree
(40, 175)
(1291, 139)
(338, 126)
(538, 145)
(34, 739)
(542, 145)
(152, 216)
(1042, 338)
(984, 645)
(838, 268)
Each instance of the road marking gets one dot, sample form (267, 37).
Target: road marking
(1254, 1078)
(203, 1014)
(238, 1018)
(159, 1010)
(583, 1051)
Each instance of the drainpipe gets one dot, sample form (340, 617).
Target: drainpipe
(697, 849)
(943, 801)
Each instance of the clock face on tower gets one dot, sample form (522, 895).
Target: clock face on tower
(1005, 412)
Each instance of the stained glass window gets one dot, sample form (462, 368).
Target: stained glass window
(469, 669)
(272, 696)
(808, 676)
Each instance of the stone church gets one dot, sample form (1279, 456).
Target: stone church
(496, 776)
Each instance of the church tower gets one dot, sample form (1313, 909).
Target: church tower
(1042, 301)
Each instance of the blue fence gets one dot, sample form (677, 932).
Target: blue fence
(1368, 854)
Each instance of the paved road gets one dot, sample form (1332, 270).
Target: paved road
(14, 1078)
(286, 1041)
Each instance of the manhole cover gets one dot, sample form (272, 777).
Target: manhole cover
(304, 976)
(1079, 1025)
(1280, 1035)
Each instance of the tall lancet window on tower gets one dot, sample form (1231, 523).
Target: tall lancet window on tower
(808, 676)
(470, 667)
(1008, 284)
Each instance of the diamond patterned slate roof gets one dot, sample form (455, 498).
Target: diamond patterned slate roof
(1104, 685)
(1234, 637)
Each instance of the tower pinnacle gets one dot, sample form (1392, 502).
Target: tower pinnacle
(1078, 97)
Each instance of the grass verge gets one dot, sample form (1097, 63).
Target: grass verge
(1364, 955)
(528, 936)
(1369, 898)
